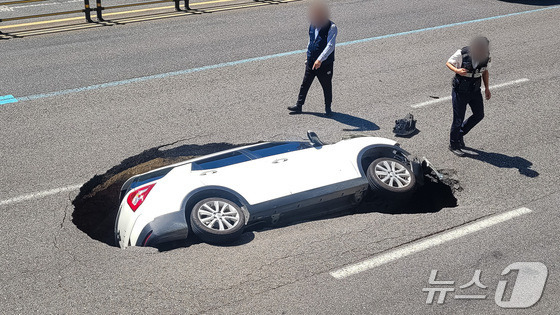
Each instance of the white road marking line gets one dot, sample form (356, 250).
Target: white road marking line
(427, 243)
(39, 194)
(448, 98)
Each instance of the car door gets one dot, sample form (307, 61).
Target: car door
(306, 167)
(319, 167)
(256, 179)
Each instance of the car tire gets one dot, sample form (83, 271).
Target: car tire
(390, 178)
(217, 220)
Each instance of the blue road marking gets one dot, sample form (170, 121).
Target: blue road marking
(155, 76)
(261, 58)
(364, 40)
(5, 99)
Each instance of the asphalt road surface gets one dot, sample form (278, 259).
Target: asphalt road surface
(81, 109)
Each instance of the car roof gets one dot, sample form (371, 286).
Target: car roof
(241, 148)
(190, 161)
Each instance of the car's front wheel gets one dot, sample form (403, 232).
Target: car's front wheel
(391, 178)
(217, 220)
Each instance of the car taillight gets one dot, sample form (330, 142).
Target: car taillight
(137, 197)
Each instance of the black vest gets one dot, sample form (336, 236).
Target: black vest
(473, 80)
(317, 45)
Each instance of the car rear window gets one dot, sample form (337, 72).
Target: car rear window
(220, 161)
(274, 148)
(150, 177)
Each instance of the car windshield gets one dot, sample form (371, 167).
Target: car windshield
(275, 148)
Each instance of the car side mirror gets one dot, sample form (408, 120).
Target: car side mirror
(314, 138)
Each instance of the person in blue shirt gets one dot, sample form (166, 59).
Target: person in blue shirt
(320, 56)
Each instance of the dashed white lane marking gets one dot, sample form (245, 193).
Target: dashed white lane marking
(448, 98)
(39, 194)
(427, 243)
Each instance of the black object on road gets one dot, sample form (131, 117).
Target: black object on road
(405, 126)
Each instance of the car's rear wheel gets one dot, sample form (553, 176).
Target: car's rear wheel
(217, 220)
(390, 178)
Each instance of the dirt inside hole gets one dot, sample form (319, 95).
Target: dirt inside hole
(95, 207)
(433, 196)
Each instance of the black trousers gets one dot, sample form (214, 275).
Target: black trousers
(324, 74)
(460, 126)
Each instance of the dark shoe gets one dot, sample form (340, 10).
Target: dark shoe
(329, 114)
(457, 151)
(295, 109)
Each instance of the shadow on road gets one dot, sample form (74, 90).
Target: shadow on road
(417, 131)
(503, 161)
(359, 124)
(534, 2)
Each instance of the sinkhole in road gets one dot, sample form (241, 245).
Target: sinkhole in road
(96, 205)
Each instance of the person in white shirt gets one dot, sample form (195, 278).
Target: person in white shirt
(470, 65)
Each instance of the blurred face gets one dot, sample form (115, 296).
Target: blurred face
(479, 49)
(318, 14)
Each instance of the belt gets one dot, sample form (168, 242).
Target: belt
(472, 75)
